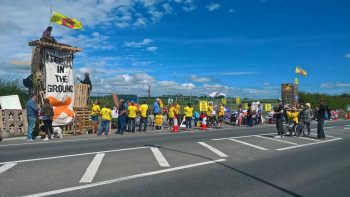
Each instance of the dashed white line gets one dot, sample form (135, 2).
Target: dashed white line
(248, 144)
(263, 137)
(160, 157)
(92, 169)
(73, 155)
(6, 167)
(59, 191)
(320, 142)
(216, 151)
(243, 136)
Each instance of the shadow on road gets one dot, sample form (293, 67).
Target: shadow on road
(233, 169)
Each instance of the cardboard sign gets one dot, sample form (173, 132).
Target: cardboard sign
(60, 85)
(203, 106)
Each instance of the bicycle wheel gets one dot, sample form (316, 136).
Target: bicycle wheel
(298, 130)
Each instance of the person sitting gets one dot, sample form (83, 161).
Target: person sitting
(47, 35)
(293, 117)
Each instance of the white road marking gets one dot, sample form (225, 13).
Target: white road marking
(278, 140)
(243, 136)
(248, 144)
(92, 169)
(73, 155)
(160, 157)
(329, 127)
(6, 167)
(216, 151)
(320, 142)
(347, 128)
(69, 189)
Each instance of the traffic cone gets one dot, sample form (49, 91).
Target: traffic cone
(204, 124)
(176, 126)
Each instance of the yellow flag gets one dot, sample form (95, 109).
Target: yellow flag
(245, 105)
(238, 100)
(267, 107)
(223, 101)
(301, 71)
(203, 106)
(296, 81)
(65, 21)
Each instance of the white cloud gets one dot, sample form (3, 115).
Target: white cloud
(334, 85)
(133, 44)
(195, 78)
(347, 55)
(152, 49)
(342, 84)
(213, 6)
(188, 86)
(267, 84)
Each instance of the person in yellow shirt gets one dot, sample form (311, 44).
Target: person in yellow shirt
(106, 117)
(144, 115)
(209, 114)
(171, 115)
(132, 110)
(188, 111)
(221, 114)
(178, 112)
(95, 112)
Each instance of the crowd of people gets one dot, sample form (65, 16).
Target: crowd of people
(132, 117)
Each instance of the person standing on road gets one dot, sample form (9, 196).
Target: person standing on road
(221, 114)
(144, 116)
(32, 113)
(46, 116)
(188, 110)
(95, 112)
(156, 107)
(278, 115)
(121, 117)
(106, 117)
(307, 116)
(132, 110)
(321, 110)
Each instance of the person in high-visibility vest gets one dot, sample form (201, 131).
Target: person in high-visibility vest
(221, 114)
(95, 112)
(188, 111)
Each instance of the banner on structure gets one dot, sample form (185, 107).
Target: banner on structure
(203, 106)
(60, 85)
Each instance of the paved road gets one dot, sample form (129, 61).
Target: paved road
(220, 162)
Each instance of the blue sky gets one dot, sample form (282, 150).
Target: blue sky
(242, 48)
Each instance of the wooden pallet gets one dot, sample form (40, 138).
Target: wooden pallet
(81, 95)
(13, 123)
(82, 122)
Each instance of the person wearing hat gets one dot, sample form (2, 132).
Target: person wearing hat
(307, 117)
(278, 115)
